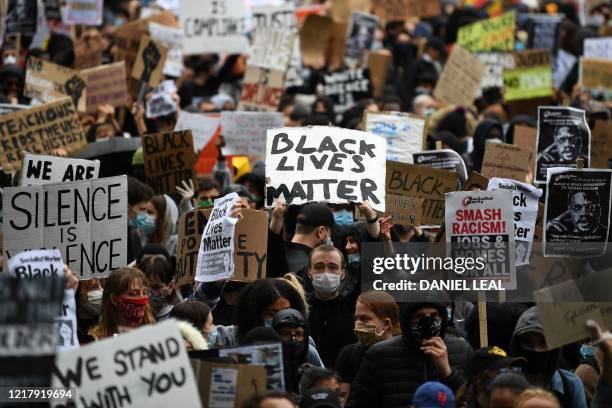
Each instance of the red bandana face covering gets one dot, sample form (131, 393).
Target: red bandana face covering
(132, 309)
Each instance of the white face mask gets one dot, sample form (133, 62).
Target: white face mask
(10, 59)
(326, 284)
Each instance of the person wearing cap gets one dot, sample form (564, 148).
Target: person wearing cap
(484, 365)
(542, 366)
(292, 328)
(433, 394)
(320, 398)
(392, 370)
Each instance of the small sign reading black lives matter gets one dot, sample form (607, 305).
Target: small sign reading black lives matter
(563, 136)
(577, 212)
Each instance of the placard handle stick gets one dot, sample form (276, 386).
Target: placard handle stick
(482, 319)
(142, 92)
(438, 145)
(580, 163)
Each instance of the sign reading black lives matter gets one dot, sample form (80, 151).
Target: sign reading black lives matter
(85, 220)
(143, 368)
(576, 219)
(525, 199)
(563, 136)
(346, 87)
(216, 255)
(479, 225)
(329, 164)
(446, 159)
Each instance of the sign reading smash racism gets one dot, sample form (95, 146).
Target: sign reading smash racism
(40, 130)
(525, 205)
(323, 163)
(422, 182)
(479, 225)
(85, 220)
(577, 212)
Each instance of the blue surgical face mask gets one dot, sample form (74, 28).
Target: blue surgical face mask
(144, 221)
(212, 337)
(343, 217)
(586, 350)
(353, 259)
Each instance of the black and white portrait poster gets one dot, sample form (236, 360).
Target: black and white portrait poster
(360, 34)
(563, 136)
(577, 215)
(21, 17)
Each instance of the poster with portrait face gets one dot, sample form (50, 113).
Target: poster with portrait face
(563, 136)
(577, 216)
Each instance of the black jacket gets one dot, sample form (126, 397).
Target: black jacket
(392, 370)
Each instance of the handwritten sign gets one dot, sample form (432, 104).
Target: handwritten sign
(86, 12)
(169, 158)
(40, 130)
(495, 63)
(272, 48)
(598, 48)
(40, 169)
(244, 133)
(262, 89)
(47, 82)
(347, 87)
(531, 58)
(527, 83)
(492, 34)
(404, 210)
(596, 74)
(505, 161)
(272, 16)
(601, 149)
(172, 39)
(106, 85)
(403, 132)
(391, 10)
(203, 127)
(460, 79)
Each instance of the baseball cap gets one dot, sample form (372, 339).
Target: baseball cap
(316, 214)
(490, 358)
(433, 394)
(320, 398)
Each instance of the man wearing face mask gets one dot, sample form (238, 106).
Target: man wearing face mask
(331, 315)
(392, 370)
(293, 331)
(542, 370)
(140, 222)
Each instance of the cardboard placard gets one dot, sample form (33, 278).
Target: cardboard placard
(460, 79)
(47, 82)
(86, 12)
(526, 137)
(169, 158)
(601, 148)
(88, 51)
(336, 47)
(244, 133)
(596, 74)
(531, 58)
(505, 161)
(279, 17)
(422, 182)
(403, 132)
(203, 127)
(315, 34)
(378, 65)
(475, 221)
(598, 48)
(40, 169)
(88, 225)
(527, 83)
(563, 136)
(495, 63)
(392, 10)
(268, 355)
(40, 129)
(106, 85)
(250, 245)
(108, 370)
(327, 164)
(272, 48)
(492, 34)
(360, 35)
(214, 26)
(128, 42)
(172, 39)
(262, 89)
(404, 210)
(347, 87)
(228, 385)
(150, 59)
(293, 75)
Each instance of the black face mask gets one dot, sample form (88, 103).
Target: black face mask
(537, 361)
(426, 328)
(294, 350)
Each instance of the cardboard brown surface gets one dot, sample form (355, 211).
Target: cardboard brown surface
(169, 158)
(315, 35)
(404, 210)
(88, 52)
(106, 84)
(149, 63)
(378, 64)
(39, 130)
(421, 182)
(506, 161)
(460, 79)
(531, 58)
(526, 137)
(595, 74)
(47, 82)
(390, 10)
(601, 148)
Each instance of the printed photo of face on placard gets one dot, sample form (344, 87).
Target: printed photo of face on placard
(563, 137)
(577, 211)
(66, 331)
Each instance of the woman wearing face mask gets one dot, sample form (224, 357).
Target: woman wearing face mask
(293, 331)
(351, 247)
(125, 304)
(89, 303)
(161, 287)
(165, 214)
(376, 319)
(200, 316)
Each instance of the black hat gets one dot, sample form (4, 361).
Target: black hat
(288, 317)
(490, 358)
(315, 215)
(320, 398)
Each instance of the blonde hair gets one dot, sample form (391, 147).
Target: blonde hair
(535, 393)
(295, 284)
(117, 283)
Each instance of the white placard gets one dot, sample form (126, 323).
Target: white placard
(272, 48)
(244, 133)
(598, 48)
(404, 133)
(171, 38)
(203, 127)
(40, 169)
